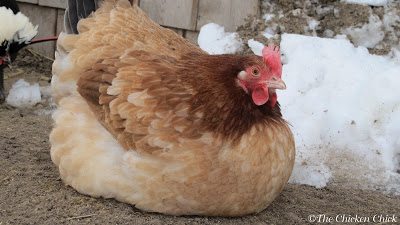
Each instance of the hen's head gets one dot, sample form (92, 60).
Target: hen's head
(260, 78)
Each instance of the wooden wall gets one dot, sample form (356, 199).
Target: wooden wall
(185, 17)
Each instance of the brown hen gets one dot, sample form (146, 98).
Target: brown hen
(148, 118)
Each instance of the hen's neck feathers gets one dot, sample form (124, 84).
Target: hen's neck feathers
(227, 110)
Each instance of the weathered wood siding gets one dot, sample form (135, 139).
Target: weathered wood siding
(179, 13)
(230, 13)
(193, 14)
(185, 17)
(46, 18)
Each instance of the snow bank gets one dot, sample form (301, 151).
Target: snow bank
(312, 26)
(344, 106)
(255, 46)
(394, 54)
(368, 2)
(369, 35)
(214, 40)
(22, 94)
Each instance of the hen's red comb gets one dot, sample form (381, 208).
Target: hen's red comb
(272, 57)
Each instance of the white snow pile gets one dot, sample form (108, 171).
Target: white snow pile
(255, 46)
(368, 2)
(23, 95)
(394, 54)
(369, 35)
(312, 26)
(268, 16)
(214, 40)
(344, 108)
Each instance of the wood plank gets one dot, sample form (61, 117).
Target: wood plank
(179, 13)
(176, 30)
(60, 21)
(211, 11)
(192, 36)
(62, 4)
(241, 10)
(46, 19)
(29, 1)
(229, 13)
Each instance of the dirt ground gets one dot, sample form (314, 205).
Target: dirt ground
(333, 17)
(31, 191)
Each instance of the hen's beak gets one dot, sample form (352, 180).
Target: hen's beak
(276, 83)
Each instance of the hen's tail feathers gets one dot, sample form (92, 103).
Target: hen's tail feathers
(76, 10)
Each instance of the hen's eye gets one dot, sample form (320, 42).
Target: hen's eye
(255, 72)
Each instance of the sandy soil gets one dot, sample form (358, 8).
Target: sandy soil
(32, 192)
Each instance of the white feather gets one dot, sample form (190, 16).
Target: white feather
(15, 27)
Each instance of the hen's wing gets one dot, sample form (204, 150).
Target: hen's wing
(141, 101)
(126, 66)
(112, 29)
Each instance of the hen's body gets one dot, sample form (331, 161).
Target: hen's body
(149, 119)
